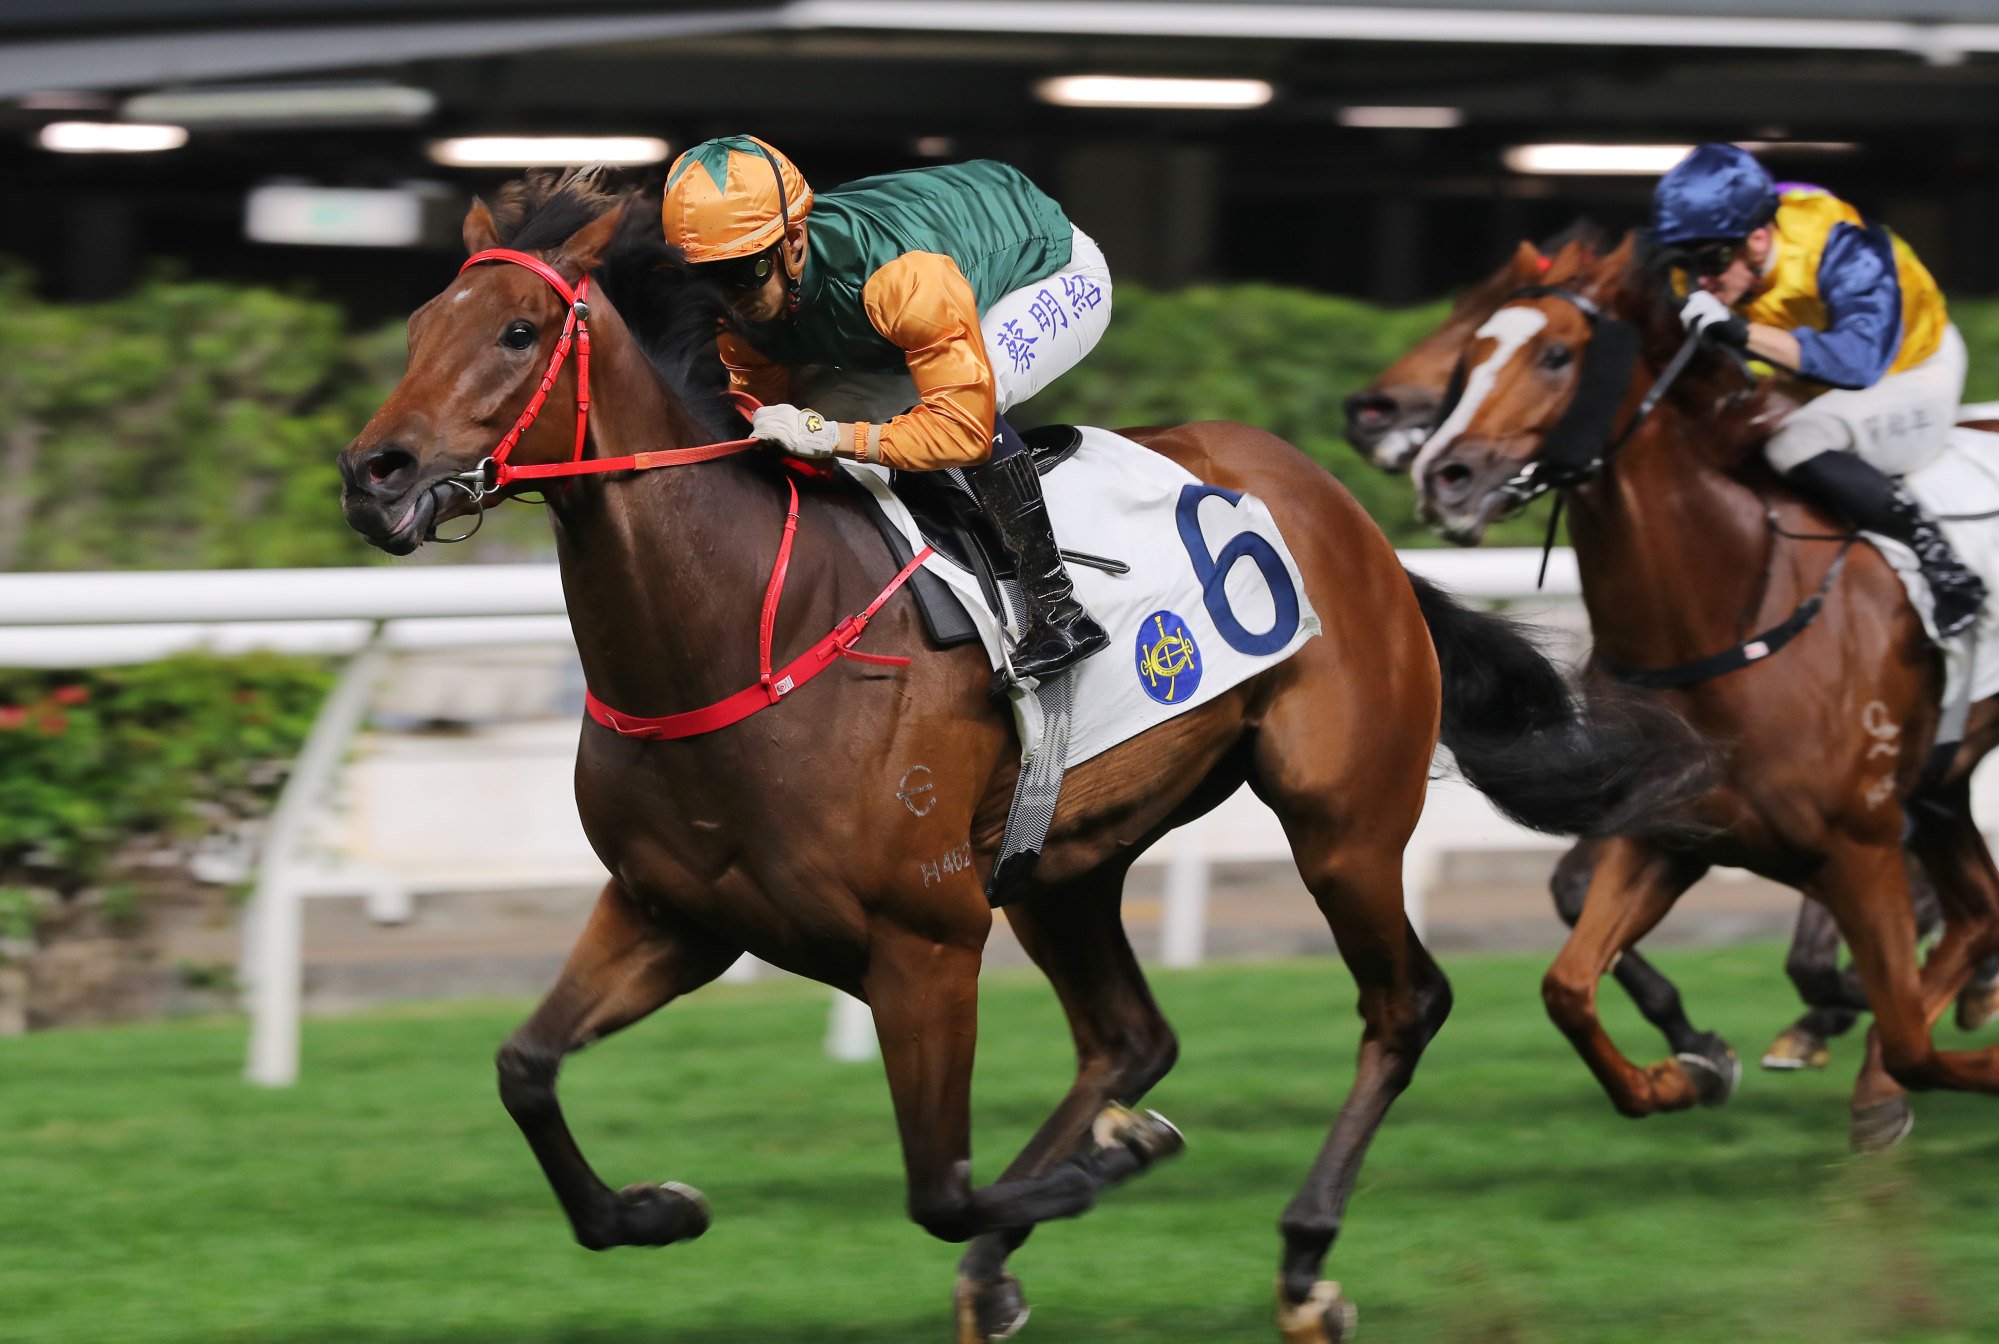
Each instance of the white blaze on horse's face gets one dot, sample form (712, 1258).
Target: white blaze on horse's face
(1509, 329)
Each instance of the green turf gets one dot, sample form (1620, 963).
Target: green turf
(146, 1194)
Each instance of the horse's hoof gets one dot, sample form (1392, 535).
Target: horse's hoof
(1978, 1005)
(1713, 1069)
(1149, 1135)
(1324, 1317)
(1800, 1049)
(658, 1215)
(989, 1311)
(1879, 1127)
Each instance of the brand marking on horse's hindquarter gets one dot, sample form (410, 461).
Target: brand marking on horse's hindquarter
(1887, 735)
(954, 860)
(916, 791)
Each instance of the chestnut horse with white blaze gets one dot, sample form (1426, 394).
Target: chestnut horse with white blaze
(1690, 549)
(784, 835)
(1387, 423)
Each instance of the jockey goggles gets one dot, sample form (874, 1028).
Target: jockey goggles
(743, 273)
(1713, 258)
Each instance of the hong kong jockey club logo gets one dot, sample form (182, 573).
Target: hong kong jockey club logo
(1169, 663)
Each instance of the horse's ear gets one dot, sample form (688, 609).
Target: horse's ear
(1529, 263)
(479, 231)
(1608, 276)
(586, 247)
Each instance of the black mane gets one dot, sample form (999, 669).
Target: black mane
(673, 315)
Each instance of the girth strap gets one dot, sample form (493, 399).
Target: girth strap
(1752, 650)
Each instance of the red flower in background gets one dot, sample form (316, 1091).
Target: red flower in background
(12, 716)
(70, 695)
(53, 723)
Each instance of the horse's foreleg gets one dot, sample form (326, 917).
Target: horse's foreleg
(1656, 997)
(924, 994)
(627, 963)
(1123, 1048)
(1632, 888)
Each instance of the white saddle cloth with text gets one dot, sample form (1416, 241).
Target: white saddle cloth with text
(1213, 595)
(1959, 487)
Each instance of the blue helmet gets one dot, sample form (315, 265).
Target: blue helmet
(1716, 192)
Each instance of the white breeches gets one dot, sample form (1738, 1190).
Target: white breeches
(1898, 424)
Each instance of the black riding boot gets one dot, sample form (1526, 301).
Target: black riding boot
(1876, 503)
(1059, 632)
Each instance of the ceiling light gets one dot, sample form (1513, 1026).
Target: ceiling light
(1800, 146)
(286, 104)
(1137, 91)
(110, 137)
(334, 216)
(547, 151)
(1402, 118)
(1600, 159)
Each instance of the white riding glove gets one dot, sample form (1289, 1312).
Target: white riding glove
(1713, 319)
(798, 430)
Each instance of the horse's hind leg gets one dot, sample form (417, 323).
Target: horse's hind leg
(1833, 997)
(1656, 997)
(627, 963)
(1404, 998)
(1955, 858)
(1123, 1048)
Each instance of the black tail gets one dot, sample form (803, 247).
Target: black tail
(1603, 761)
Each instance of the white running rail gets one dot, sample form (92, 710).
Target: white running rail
(72, 620)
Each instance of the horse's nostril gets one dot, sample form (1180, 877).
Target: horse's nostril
(1453, 473)
(388, 464)
(1369, 408)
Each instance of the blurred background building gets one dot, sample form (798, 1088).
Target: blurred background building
(1386, 152)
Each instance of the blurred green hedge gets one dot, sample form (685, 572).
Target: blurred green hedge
(195, 425)
(94, 763)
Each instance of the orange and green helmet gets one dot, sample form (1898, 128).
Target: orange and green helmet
(731, 197)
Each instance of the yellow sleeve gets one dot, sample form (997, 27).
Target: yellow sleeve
(923, 304)
(750, 372)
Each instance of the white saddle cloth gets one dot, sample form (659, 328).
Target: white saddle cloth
(1956, 487)
(1212, 598)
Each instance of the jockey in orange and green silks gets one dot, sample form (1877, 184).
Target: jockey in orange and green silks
(1796, 277)
(911, 309)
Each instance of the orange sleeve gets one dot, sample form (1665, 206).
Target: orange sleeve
(922, 303)
(750, 372)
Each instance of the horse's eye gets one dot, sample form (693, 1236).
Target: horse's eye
(518, 336)
(1557, 356)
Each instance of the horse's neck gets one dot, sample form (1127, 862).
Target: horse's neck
(658, 567)
(1674, 554)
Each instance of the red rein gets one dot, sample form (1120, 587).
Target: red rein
(495, 472)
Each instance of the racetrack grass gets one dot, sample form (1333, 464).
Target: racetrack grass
(148, 1195)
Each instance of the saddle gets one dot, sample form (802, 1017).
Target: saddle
(949, 516)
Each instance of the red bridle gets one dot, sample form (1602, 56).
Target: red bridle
(495, 472)
(772, 684)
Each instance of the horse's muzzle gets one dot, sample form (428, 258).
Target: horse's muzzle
(1463, 492)
(1388, 425)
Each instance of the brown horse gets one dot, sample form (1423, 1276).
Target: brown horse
(1387, 422)
(1388, 419)
(785, 836)
(1687, 546)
